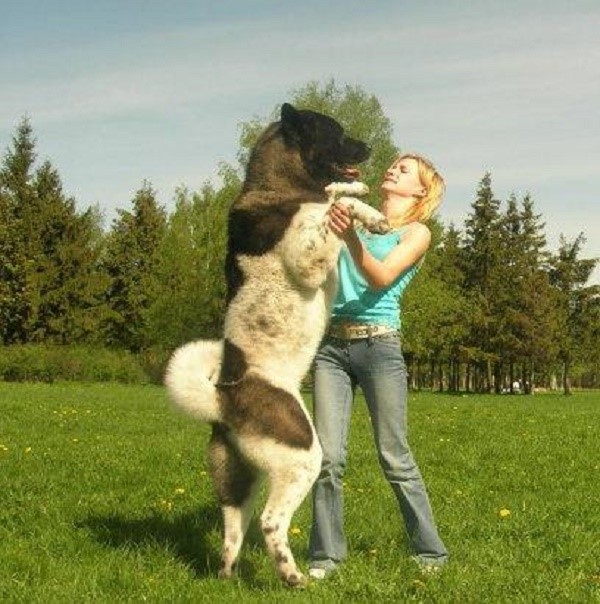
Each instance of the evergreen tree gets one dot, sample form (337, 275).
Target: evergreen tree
(49, 290)
(537, 299)
(131, 262)
(16, 195)
(483, 280)
(509, 304)
(577, 301)
(66, 286)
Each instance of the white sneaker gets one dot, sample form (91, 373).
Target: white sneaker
(317, 573)
(427, 568)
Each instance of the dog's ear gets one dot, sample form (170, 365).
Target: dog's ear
(291, 120)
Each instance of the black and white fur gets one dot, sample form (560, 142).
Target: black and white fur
(281, 276)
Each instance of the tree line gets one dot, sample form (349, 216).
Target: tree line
(491, 307)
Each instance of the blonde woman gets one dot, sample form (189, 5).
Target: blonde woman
(362, 347)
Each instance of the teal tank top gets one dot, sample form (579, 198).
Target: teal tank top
(355, 301)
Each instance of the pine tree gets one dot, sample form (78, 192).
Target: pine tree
(537, 298)
(482, 263)
(49, 289)
(66, 287)
(131, 262)
(577, 301)
(16, 197)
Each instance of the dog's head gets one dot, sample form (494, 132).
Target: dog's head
(327, 153)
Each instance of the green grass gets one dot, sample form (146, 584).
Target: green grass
(104, 497)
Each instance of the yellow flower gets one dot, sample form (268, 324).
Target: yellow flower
(3, 448)
(373, 552)
(28, 450)
(295, 531)
(504, 513)
(179, 491)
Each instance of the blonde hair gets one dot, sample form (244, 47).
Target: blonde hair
(433, 183)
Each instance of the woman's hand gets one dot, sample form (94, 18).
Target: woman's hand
(340, 221)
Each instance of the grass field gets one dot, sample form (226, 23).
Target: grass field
(104, 496)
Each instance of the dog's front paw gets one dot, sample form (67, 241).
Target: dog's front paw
(380, 226)
(356, 188)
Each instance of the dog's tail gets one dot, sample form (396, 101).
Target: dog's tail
(190, 378)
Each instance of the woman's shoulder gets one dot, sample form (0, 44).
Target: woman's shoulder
(414, 230)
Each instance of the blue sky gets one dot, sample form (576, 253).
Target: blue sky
(122, 91)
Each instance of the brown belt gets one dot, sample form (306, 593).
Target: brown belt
(354, 331)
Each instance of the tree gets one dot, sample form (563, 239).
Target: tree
(191, 298)
(361, 115)
(65, 284)
(435, 311)
(481, 266)
(537, 300)
(577, 301)
(49, 287)
(16, 194)
(131, 262)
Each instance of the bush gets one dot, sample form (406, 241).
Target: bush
(42, 363)
(154, 362)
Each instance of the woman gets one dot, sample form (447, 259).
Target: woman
(363, 347)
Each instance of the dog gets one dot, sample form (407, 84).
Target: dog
(281, 277)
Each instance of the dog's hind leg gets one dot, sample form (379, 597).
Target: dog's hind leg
(237, 484)
(288, 486)
(235, 524)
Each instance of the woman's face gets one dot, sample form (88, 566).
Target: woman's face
(402, 179)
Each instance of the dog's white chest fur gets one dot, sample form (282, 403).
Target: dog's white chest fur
(281, 311)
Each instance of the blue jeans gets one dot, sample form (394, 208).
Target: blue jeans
(376, 364)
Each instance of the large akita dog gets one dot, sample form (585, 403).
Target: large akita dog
(281, 278)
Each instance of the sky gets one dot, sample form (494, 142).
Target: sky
(122, 91)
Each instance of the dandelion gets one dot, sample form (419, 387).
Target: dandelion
(75, 440)
(373, 552)
(179, 491)
(28, 450)
(504, 513)
(295, 531)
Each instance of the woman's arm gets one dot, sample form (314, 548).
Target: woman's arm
(381, 273)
